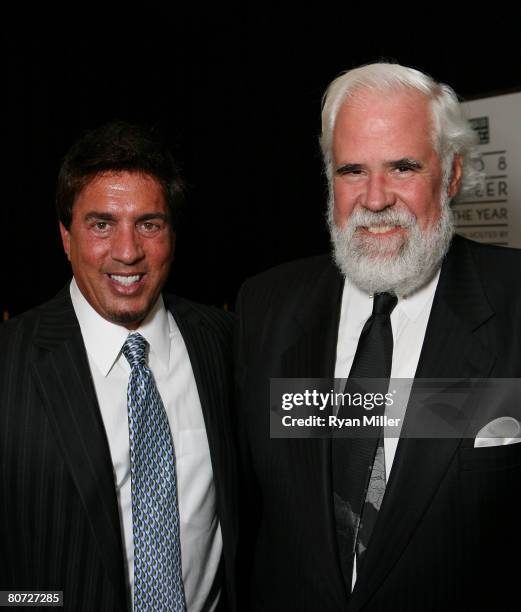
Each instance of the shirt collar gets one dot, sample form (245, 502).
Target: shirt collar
(104, 340)
(412, 306)
(358, 303)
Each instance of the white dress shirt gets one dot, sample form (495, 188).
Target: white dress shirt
(201, 540)
(409, 323)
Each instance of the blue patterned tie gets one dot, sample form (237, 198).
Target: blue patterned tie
(158, 578)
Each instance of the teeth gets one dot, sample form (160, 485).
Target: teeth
(125, 280)
(380, 229)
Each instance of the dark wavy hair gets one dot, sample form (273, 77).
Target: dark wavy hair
(118, 147)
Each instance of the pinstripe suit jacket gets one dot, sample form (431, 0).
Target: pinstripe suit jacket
(59, 521)
(448, 534)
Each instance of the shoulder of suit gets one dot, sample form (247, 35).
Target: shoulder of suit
(208, 315)
(491, 251)
(495, 261)
(498, 269)
(18, 335)
(26, 323)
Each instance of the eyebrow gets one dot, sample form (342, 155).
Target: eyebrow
(153, 216)
(104, 216)
(406, 161)
(344, 168)
(398, 163)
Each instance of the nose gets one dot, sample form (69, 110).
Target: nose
(126, 245)
(378, 196)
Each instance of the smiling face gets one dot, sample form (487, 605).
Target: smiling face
(120, 244)
(384, 158)
(389, 199)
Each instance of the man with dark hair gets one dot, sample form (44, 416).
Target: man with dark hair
(427, 522)
(118, 474)
(118, 147)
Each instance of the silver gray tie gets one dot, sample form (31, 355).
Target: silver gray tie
(158, 578)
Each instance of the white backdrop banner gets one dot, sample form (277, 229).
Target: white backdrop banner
(493, 212)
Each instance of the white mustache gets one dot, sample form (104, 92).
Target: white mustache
(361, 217)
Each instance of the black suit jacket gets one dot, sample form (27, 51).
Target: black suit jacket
(448, 534)
(59, 520)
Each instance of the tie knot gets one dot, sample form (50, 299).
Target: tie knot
(384, 303)
(135, 349)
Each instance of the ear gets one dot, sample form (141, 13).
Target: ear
(66, 240)
(456, 174)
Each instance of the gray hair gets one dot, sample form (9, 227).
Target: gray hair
(452, 134)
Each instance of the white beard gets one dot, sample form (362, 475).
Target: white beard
(395, 264)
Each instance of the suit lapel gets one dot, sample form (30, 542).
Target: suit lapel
(62, 376)
(452, 349)
(313, 355)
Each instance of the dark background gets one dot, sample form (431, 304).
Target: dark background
(237, 94)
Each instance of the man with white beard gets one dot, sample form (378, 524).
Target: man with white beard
(410, 524)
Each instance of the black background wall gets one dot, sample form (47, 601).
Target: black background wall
(236, 93)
